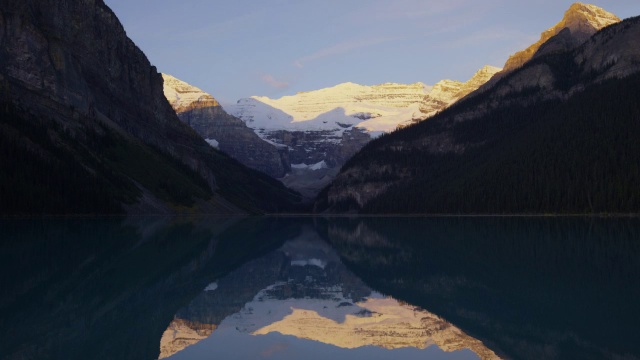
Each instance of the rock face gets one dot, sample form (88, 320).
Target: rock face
(181, 334)
(68, 70)
(204, 114)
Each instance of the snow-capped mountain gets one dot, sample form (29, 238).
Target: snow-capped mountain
(323, 128)
(375, 109)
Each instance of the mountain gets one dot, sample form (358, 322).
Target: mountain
(322, 129)
(557, 135)
(375, 109)
(86, 128)
(580, 22)
(204, 114)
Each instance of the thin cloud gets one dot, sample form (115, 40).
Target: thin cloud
(273, 82)
(486, 36)
(274, 349)
(341, 48)
(415, 9)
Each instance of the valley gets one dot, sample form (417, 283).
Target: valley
(497, 143)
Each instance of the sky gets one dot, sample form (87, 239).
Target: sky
(235, 49)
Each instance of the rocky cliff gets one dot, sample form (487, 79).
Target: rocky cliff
(204, 114)
(579, 23)
(85, 113)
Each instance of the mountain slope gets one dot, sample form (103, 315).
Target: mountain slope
(557, 135)
(204, 114)
(578, 24)
(446, 92)
(582, 21)
(86, 128)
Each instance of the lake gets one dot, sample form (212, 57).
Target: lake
(320, 288)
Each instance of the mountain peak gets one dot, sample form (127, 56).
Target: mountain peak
(184, 97)
(582, 20)
(584, 17)
(489, 69)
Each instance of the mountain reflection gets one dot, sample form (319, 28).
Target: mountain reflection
(303, 290)
(316, 288)
(529, 288)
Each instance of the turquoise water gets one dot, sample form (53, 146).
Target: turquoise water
(318, 288)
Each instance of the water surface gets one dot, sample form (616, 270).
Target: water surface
(317, 288)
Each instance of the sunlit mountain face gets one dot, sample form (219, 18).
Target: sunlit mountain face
(302, 298)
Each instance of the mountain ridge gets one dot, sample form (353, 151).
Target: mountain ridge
(480, 132)
(372, 106)
(578, 24)
(582, 20)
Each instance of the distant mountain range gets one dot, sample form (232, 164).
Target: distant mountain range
(557, 134)
(312, 134)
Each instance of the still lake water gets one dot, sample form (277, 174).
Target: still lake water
(320, 288)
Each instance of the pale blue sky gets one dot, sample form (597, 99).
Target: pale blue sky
(239, 48)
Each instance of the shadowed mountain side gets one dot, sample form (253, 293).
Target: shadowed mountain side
(86, 128)
(317, 155)
(237, 140)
